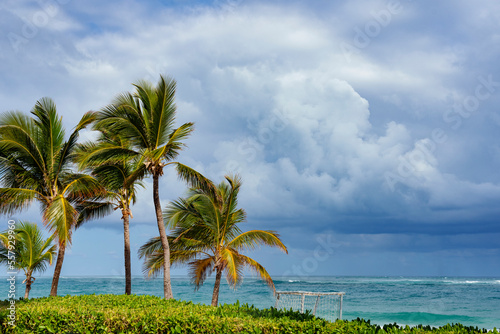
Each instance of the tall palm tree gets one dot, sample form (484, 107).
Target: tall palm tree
(35, 165)
(146, 118)
(120, 178)
(31, 252)
(206, 235)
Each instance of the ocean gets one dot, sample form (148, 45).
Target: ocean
(433, 301)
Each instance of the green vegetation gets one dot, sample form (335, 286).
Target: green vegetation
(148, 314)
(36, 165)
(206, 236)
(24, 248)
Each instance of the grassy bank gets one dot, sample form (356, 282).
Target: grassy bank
(149, 314)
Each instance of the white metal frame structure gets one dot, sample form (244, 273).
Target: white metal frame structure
(318, 295)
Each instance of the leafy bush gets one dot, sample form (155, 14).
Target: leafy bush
(149, 314)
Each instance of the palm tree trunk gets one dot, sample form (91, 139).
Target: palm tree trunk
(167, 287)
(57, 269)
(28, 286)
(215, 295)
(126, 237)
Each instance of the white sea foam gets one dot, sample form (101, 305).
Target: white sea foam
(465, 281)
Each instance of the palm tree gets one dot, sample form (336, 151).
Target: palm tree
(120, 178)
(35, 165)
(146, 119)
(31, 253)
(206, 235)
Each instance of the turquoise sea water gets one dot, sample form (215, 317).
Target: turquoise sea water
(433, 301)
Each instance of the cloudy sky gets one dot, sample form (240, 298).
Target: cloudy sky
(366, 132)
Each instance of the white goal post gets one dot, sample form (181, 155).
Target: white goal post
(327, 305)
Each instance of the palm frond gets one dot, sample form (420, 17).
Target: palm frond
(151, 246)
(124, 116)
(82, 187)
(89, 210)
(51, 130)
(20, 142)
(180, 210)
(103, 153)
(181, 252)
(15, 173)
(231, 202)
(229, 193)
(134, 178)
(255, 238)
(145, 94)
(233, 266)
(153, 264)
(259, 269)
(64, 156)
(196, 180)
(159, 105)
(14, 199)
(199, 270)
(61, 217)
(4, 253)
(152, 252)
(175, 143)
(179, 257)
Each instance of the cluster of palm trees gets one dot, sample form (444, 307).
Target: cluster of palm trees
(136, 139)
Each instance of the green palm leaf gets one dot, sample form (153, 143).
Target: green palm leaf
(14, 199)
(253, 239)
(91, 210)
(60, 217)
(196, 180)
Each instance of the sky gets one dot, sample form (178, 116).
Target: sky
(366, 132)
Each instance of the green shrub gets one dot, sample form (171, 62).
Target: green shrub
(149, 314)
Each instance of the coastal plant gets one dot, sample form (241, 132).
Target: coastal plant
(36, 165)
(28, 251)
(146, 118)
(206, 235)
(150, 314)
(120, 178)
